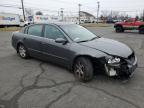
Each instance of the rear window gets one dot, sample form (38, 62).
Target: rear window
(35, 30)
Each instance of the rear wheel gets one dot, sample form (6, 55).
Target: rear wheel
(22, 51)
(119, 29)
(141, 30)
(83, 69)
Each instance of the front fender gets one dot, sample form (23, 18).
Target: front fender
(83, 51)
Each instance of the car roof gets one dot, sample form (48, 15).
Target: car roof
(53, 23)
(58, 23)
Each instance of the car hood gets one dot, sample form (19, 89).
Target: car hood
(109, 46)
(119, 22)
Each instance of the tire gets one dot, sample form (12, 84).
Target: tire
(141, 30)
(83, 69)
(22, 51)
(119, 29)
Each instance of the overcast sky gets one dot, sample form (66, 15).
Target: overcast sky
(131, 7)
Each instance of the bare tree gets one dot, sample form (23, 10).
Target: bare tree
(29, 12)
(105, 13)
(39, 13)
(142, 16)
(115, 13)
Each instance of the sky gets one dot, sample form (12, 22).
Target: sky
(70, 7)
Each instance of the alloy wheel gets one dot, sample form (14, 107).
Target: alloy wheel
(22, 51)
(79, 70)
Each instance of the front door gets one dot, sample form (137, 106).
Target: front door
(129, 24)
(56, 52)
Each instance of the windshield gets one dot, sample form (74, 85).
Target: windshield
(78, 33)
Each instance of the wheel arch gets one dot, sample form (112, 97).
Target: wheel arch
(118, 25)
(19, 43)
(94, 60)
(141, 26)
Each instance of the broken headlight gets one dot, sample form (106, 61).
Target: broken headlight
(113, 60)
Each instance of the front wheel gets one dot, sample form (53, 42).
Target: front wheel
(141, 30)
(119, 29)
(22, 51)
(83, 69)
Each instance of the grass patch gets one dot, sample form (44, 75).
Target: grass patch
(96, 25)
(10, 29)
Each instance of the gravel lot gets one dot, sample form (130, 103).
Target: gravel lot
(36, 84)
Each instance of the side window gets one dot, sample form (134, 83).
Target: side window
(129, 20)
(52, 32)
(35, 30)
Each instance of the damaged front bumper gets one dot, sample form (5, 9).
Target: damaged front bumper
(122, 69)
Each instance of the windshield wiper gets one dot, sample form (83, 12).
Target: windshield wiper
(88, 40)
(93, 38)
(83, 41)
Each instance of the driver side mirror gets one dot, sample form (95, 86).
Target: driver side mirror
(61, 40)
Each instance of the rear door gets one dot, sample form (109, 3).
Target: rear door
(33, 38)
(56, 52)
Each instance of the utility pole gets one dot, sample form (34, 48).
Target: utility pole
(62, 13)
(98, 6)
(79, 11)
(23, 9)
(58, 14)
(111, 14)
(143, 15)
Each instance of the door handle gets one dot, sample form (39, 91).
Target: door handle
(42, 43)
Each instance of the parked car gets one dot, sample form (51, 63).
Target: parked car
(110, 21)
(76, 48)
(130, 24)
(23, 23)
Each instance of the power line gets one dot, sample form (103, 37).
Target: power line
(89, 7)
(67, 2)
(11, 6)
(35, 3)
(33, 8)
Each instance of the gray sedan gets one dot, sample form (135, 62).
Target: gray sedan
(75, 48)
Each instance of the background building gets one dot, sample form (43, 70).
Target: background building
(86, 17)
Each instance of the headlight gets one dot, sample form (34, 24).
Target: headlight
(113, 60)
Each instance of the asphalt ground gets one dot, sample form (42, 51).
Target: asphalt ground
(36, 84)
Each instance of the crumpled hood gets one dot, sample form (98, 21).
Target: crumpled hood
(109, 46)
